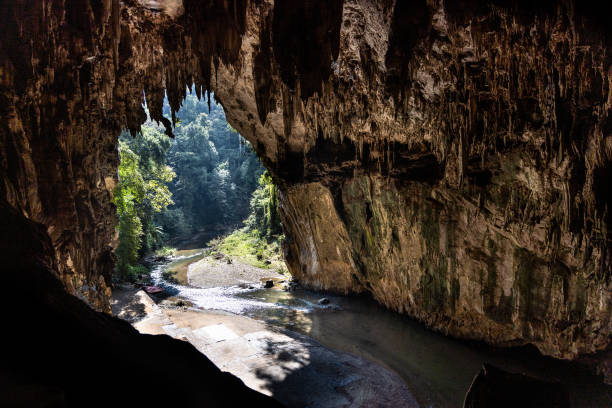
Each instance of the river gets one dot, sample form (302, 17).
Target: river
(437, 369)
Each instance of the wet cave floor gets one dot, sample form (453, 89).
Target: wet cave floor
(343, 351)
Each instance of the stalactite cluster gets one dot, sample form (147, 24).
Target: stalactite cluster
(451, 158)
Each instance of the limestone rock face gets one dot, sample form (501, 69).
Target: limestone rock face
(463, 150)
(450, 158)
(58, 159)
(318, 246)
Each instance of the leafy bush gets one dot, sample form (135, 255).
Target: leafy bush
(135, 272)
(264, 218)
(250, 247)
(165, 251)
(141, 192)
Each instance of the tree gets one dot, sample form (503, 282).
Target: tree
(141, 192)
(264, 216)
(129, 193)
(200, 180)
(216, 169)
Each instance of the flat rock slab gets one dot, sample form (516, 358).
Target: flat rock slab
(130, 303)
(135, 306)
(293, 368)
(216, 332)
(300, 372)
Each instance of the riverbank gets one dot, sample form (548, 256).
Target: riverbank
(220, 270)
(435, 370)
(238, 258)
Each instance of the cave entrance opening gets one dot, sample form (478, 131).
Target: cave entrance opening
(199, 242)
(201, 195)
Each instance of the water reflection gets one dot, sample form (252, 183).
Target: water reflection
(437, 369)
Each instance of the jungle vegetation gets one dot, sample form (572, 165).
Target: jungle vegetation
(203, 184)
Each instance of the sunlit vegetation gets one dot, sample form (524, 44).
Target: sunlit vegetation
(142, 192)
(205, 180)
(165, 252)
(264, 219)
(216, 169)
(259, 242)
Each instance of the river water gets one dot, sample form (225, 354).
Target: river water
(437, 369)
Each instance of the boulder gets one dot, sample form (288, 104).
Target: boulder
(494, 387)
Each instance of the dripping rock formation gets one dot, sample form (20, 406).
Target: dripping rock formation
(451, 158)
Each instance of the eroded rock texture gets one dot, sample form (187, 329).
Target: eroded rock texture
(451, 158)
(465, 152)
(58, 352)
(454, 161)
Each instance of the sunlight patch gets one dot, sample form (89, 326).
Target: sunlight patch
(216, 332)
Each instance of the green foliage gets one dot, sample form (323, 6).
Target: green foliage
(165, 251)
(135, 272)
(128, 195)
(141, 192)
(216, 171)
(264, 217)
(172, 189)
(259, 242)
(249, 247)
(174, 222)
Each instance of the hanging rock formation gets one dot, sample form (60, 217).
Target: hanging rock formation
(450, 158)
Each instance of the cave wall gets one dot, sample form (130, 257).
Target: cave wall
(450, 158)
(58, 160)
(72, 76)
(59, 352)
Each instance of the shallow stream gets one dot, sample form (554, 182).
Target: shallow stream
(437, 369)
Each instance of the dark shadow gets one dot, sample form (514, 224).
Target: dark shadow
(125, 304)
(310, 375)
(437, 370)
(56, 346)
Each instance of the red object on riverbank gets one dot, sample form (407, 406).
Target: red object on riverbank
(153, 289)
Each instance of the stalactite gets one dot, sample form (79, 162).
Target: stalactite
(465, 109)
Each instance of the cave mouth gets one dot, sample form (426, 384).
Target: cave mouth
(494, 227)
(202, 191)
(213, 285)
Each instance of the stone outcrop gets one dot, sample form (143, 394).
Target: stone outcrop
(450, 158)
(58, 352)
